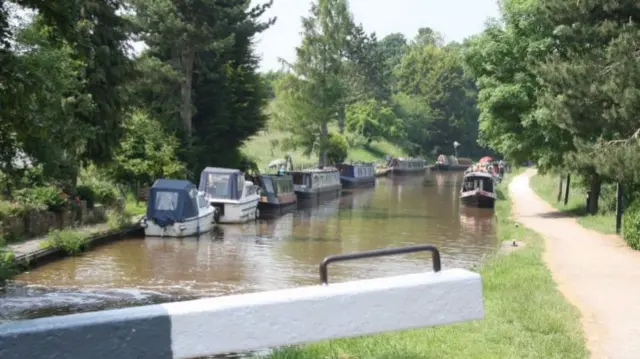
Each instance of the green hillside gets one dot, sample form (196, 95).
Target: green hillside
(265, 147)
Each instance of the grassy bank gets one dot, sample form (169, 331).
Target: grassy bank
(526, 317)
(264, 147)
(546, 186)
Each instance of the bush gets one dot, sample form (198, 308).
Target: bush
(42, 198)
(105, 192)
(631, 225)
(86, 194)
(10, 209)
(7, 263)
(72, 242)
(337, 149)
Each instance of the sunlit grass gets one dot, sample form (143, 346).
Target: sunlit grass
(265, 147)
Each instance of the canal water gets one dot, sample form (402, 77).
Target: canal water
(268, 254)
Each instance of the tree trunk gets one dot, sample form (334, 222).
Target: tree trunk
(595, 186)
(324, 134)
(187, 58)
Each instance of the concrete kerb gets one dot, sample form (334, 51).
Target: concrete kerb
(252, 321)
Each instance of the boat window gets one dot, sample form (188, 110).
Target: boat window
(240, 185)
(202, 203)
(284, 186)
(166, 201)
(488, 185)
(267, 184)
(218, 185)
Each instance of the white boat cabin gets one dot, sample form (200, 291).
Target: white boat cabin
(235, 198)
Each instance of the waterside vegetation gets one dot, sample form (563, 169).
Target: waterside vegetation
(558, 84)
(526, 316)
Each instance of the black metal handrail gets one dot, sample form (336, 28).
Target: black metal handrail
(324, 276)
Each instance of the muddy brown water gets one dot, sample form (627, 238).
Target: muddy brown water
(269, 254)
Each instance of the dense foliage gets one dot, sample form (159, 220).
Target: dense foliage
(414, 94)
(559, 84)
(75, 97)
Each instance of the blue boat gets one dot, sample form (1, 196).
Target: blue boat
(357, 174)
(176, 209)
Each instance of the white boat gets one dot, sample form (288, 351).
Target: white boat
(176, 209)
(235, 199)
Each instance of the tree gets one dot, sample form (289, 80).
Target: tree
(315, 89)
(436, 76)
(181, 31)
(146, 153)
(558, 84)
(373, 120)
(392, 49)
(208, 45)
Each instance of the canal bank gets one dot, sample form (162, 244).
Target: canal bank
(526, 316)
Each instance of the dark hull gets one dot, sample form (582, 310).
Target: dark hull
(306, 199)
(407, 172)
(363, 183)
(478, 201)
(441, 167)
(271, 210)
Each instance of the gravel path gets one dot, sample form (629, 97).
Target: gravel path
(597, 273)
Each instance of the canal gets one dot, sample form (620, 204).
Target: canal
(265, 255)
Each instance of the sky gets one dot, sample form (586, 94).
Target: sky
(455, 19)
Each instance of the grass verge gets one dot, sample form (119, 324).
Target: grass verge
(546, 186)
(526, 317)
(265, 147)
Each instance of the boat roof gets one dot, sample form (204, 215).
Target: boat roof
(172, 184)
(479, 174)
(221, 170)
(316, 170)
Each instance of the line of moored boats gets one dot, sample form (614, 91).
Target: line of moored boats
(177, 208)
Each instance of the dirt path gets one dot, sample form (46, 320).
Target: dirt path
(597, 273)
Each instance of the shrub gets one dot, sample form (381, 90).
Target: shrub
(7, 263)
(10, 209)
(86, 194)
(41, 198)
(105, 192)
(72, 242)
(117, 220)
(337, 148)
(631, 225)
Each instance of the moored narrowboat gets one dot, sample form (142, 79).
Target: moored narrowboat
(357, 174)
(276, 193)
(317, 183)
(400, 166)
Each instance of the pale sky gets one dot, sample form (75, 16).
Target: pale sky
(455, 19)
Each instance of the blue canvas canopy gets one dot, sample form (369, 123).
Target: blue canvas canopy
(224, 183)
(172, 201)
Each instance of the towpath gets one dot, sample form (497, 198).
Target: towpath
(597, 273)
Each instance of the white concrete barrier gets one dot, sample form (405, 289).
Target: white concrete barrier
(253, 321)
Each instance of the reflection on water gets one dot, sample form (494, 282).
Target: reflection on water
(268, 254)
